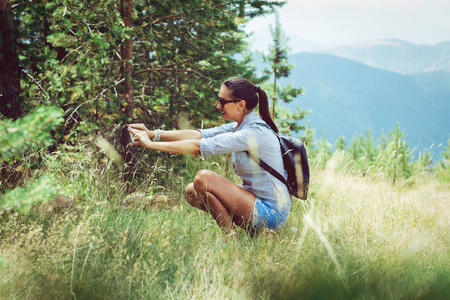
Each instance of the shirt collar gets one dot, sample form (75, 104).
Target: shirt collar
(251, 118)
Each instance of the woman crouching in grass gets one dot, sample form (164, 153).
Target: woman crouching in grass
(262, 200)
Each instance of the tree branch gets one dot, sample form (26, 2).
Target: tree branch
(22, 3)
(161, 19)
(79, 18)
(144, 109)
(165, 66)
(37, 83)
(92, 100)
(182, 70)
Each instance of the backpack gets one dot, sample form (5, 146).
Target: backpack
(295, 161)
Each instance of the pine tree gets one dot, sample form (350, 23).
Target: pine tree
(115, 61)
(309, 138)
(340, 143)
(26, 134)
(443, 168)
(279, 67)
(395, 155)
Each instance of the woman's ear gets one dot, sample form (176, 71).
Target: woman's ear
(242, 105)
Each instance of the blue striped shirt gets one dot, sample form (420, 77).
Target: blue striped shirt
(256, 139)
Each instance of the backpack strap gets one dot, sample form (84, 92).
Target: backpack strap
(264, 165)
(269, 169)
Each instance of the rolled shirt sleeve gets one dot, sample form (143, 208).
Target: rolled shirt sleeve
(226, 143)
(210, 132)
(213, 140)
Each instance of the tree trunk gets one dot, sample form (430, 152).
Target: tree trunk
(127, 107)
(9, 64)
(274, 99)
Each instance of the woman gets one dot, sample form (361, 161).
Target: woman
(262, 200)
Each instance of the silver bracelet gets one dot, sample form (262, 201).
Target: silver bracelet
(157, 135)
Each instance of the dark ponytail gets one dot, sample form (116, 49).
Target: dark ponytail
(264, 109)
(243, 89)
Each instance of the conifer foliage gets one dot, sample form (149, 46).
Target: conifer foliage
(279, 67)
(17, 138)
(28, 133)
(111, 62)
(388, 157)
(443, 168)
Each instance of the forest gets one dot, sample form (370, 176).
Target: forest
(85, 215)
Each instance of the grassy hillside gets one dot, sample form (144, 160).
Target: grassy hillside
(354, 237)
(348, 97)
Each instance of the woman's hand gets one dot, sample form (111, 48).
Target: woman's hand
(140, 126)
(140, 137)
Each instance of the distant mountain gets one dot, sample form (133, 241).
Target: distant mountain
(434, 82)
(260, 40)
(397, 56)
(347, 97)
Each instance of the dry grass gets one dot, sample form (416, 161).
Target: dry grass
(355, 238)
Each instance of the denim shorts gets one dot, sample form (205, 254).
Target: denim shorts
(267, 214)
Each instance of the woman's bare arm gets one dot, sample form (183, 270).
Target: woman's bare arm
(179, 135)
(185, 146)
(171, 135)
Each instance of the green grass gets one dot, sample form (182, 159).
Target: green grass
(354, 238)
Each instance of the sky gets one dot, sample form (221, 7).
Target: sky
(331, 23)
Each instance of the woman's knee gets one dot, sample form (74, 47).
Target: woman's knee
(201, 178)
(189, 188)
(191, 196)
(189, 192)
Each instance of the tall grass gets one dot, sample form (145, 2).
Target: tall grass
(354, 238)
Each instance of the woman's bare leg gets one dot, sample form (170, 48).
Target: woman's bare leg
(227, 202)
(192, 198)
(212, 206)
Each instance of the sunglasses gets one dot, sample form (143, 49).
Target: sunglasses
(223, 101)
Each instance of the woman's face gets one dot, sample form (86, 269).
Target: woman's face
(230, 110)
